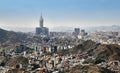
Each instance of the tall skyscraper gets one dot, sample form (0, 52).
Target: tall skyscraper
(42, 31)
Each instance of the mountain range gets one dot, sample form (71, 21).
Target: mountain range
(70, 29)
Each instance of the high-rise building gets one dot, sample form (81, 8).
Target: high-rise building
(83, 32)
(76, 31)
(42, 31)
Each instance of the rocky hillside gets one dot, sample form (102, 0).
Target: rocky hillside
(81, 48)
(88, 69)
(17, 60)
(10, 36)
(108, 52)
(99, 51)
(85, 46)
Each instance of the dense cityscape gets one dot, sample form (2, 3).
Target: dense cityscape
(59, 52)
(59, 36)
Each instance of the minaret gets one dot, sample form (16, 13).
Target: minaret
(41, 21)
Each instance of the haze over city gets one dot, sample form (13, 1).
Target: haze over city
(25, 14)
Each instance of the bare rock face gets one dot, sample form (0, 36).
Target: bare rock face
(88, 69)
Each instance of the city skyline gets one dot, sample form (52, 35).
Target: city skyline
(65, 13)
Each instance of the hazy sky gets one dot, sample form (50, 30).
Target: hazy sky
(71, 13)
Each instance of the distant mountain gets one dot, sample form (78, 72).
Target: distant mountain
(104, 28)
(62, 29)
(70, 29)
(88, 29)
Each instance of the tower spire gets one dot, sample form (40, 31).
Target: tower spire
(41, 21)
